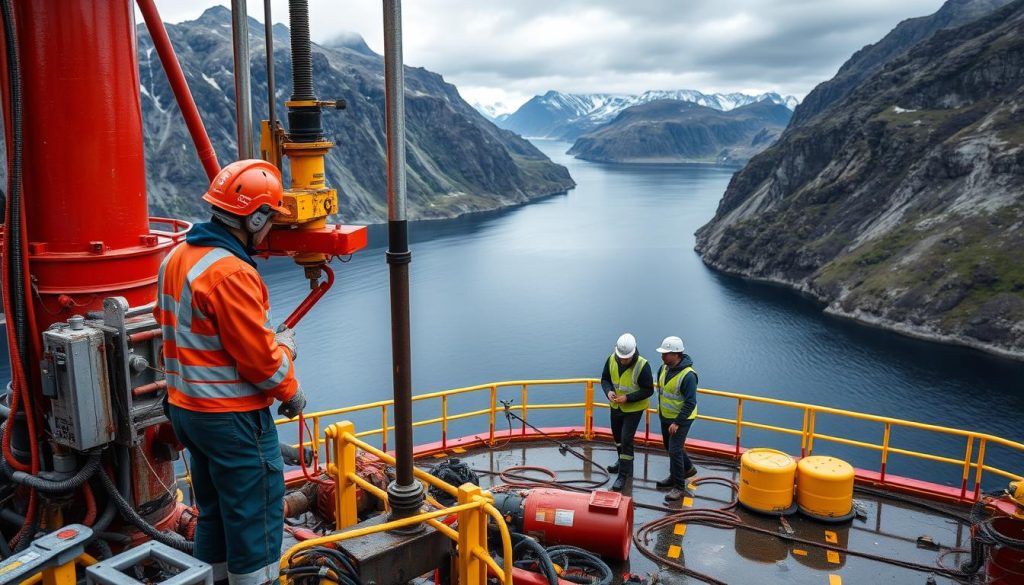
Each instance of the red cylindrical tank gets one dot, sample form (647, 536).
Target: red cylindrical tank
(1005, 565)
(600, 521)
(88, 227)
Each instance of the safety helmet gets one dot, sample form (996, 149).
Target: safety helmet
(671, 344)
(244, 187)
(625, 347)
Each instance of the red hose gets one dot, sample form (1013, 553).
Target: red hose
(90, 504)
(316, 456)
(187, 105)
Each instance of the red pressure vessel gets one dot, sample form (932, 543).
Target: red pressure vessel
(600, 521)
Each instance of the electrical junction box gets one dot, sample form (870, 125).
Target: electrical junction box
(74, 377)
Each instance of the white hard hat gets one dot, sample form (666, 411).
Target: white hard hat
(625, 347)
(672, 344)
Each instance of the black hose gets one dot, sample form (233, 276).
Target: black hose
(543, 558)
(103, 547)
(171, 539)
(16, 275)
(55, 487)
(26, 538)
(575, 557)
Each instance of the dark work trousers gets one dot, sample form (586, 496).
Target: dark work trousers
(678, 462)
(238, 480)
(624, 426)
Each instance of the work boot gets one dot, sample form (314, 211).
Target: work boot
(664, 484)
(614, 467)
(620, 482)
(675, 494)
(690, 472)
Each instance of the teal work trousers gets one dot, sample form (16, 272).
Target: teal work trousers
(238, 480)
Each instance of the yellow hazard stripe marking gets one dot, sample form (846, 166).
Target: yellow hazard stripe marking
(440, 455)
(459, 449)
(674, 551)
(833, 557)
(687, 502)
(692, 486)
(835, 580)
(679, 530)
(831, 537)
(799, 552)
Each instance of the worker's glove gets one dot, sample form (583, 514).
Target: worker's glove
(286, 336)
(293, 407)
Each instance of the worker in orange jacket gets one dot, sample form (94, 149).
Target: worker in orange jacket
(224, 367)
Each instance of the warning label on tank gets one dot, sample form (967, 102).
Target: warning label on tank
(564, 517)
(545, 515)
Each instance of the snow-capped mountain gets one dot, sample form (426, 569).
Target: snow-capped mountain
(567, 116)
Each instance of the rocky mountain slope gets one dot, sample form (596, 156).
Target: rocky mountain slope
(564, 116)
(458, 162)
(901, 203)
(873, 57)
(672, 131)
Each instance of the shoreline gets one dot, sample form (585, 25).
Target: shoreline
(830, 308)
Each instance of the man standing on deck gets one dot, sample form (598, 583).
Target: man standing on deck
(627, 382)
(224, 368)
(677, 409)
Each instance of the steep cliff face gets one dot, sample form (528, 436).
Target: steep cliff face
(671, 131)
(902, 203)
(458, 162)
(871, 58)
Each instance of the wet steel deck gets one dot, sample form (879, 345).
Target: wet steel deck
(891, 527)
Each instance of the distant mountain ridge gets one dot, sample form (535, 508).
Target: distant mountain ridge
(901, 203)
(673, 131)
(458, 162)
(565, 116)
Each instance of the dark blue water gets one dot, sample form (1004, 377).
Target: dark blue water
(543, 291)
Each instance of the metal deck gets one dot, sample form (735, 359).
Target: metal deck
(890, 528)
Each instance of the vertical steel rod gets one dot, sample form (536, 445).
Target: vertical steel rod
(268, 35)
(405, 494)
(243, 99)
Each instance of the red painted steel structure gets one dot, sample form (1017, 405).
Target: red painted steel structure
(84, 181)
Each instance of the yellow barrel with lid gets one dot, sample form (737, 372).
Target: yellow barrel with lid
(766, 480)
(824, 487)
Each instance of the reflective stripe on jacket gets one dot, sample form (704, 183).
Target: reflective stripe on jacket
(219, 350)
(670, 394)
(625, 382)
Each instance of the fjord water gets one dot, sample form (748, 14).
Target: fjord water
(543, 290)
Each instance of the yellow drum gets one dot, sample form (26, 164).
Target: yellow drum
(766, 480)
(824, 488)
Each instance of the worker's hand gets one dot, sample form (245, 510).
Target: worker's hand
(294, 406)
(621, 399)
(285, 336)
(611, 397)
(672, 428)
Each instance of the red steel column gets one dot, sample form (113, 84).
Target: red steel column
(84, 175)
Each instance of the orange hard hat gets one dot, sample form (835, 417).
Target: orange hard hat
(244, 186)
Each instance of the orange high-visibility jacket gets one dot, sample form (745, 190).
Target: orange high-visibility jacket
(219, 351)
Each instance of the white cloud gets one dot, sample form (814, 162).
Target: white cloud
(508, 51)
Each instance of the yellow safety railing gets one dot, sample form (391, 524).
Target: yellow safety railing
(810, 431)
(473, 508)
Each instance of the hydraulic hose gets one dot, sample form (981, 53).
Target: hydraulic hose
(171, 539)
(56, 487)
(573, 557)
(544, 559)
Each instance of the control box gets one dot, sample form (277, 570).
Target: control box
(74, 377)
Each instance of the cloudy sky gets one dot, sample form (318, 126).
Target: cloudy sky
(511, 50)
